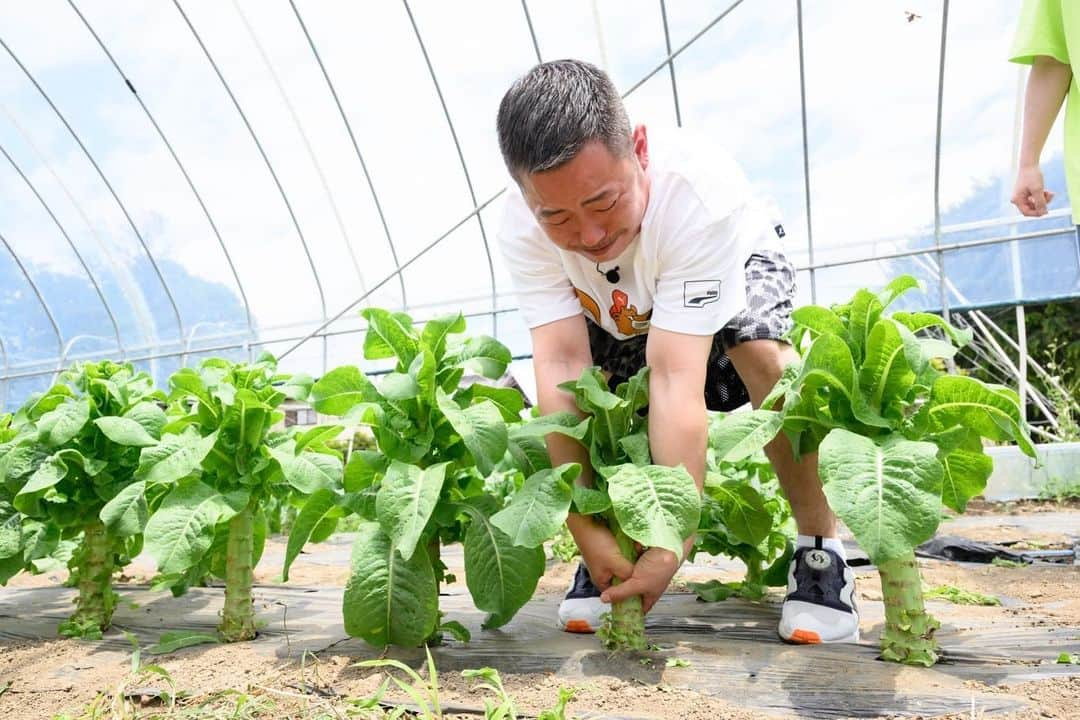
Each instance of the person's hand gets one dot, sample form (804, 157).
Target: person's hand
(651, 577)
(601, 553)
(1029, 196)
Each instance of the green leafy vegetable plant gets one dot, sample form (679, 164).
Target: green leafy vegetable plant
(744, 515)
(896, 438)
(219, 464)
(651, 505)
(69, 464)
(441, 448)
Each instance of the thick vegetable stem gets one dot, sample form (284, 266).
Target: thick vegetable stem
(96, 601)
(625, 628)
(909, 630)
(434, 552)
(238, 617)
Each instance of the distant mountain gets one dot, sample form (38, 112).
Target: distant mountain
(28, 336)
(1049, 267)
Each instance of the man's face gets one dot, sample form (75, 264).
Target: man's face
(594, 204)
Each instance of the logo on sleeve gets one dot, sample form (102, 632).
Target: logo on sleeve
(780, 231)
(699, 293)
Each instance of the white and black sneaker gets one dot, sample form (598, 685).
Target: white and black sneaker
(580, 610)
(820, 604)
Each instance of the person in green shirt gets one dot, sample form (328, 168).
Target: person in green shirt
(1048, 39)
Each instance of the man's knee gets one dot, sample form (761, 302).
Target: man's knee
(760, 363)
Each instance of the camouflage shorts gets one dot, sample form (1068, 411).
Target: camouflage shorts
(770, 289)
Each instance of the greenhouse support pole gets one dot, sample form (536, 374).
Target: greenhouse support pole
(944, 296)
(1021, 337)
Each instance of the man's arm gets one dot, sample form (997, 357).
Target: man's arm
(560, 354)
(1047, 86)
(678, 435)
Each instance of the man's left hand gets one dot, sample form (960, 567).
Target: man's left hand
(652, 574)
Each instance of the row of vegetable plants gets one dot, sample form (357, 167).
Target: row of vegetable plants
(103, 465)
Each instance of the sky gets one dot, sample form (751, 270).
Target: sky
(871, 89)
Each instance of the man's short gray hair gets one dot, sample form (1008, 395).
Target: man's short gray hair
(551, 112)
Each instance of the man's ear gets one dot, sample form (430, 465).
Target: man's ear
(641, 146)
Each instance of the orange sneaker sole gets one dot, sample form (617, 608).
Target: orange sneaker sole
(578, 626)
(805, 637)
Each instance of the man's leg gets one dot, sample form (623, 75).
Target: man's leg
(759, 364)
(820, 604)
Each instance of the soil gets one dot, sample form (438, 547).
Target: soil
(41, 678)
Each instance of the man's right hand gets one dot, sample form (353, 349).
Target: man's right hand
(1029, 195)
(600, 552)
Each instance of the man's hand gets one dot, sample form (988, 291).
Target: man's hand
(1029, 196)
(651, 576)
(600, 553)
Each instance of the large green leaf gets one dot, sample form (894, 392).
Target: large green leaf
(50, 472)
(181, 530)
(124, 431)
(363, 469)
(62, 424)
(405, 501)
(819, 320)
(175, 457)
(509, 400)
(864, 312)
(150, 416)
(389, 335)
(388, 600)
(480, 427)
(527, 452)
(655, 505)
(423, 371)
(564, 423)
(888, 495)
(398, 387)
(829, 363)
(482, 354)
(886, 374)
(316, 508)
(744, 513)
(917, 321)
(22, 459)
(126, 514)
(341, 389)
(538, 510)
(317, 436)
(958, 400)
(590, 501)
(897, 287)
(967, 468)
(10, 532)
(309, 471)
(436, 331)
(501, 576)
(740, 435)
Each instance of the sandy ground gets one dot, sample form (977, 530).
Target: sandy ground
(39, 679)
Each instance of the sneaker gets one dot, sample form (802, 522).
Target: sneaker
(820, 604)
(580, 610)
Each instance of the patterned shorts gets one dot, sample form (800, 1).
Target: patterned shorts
(770, 289)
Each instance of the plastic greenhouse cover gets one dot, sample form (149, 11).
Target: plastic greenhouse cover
(184, 179)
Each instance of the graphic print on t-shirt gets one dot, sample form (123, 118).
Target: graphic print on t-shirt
(626, 316)
(589, 304)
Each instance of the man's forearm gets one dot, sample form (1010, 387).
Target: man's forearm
(1047, 86)
(678, 428)
(563, 449)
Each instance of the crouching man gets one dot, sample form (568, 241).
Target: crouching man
(628, 249)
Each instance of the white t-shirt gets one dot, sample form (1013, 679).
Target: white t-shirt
(684, 272)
